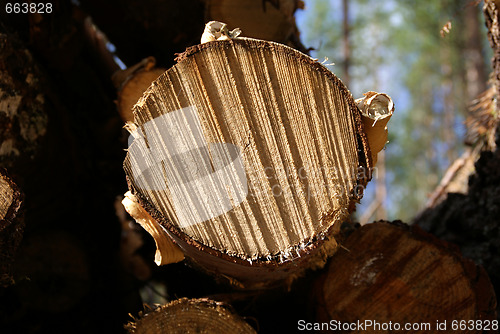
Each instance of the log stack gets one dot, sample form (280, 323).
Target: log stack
(296, 153)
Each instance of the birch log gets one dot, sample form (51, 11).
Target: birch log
(11, 226)
(190, 316)
(391, 272)
(249, 154)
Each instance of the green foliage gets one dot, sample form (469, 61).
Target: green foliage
(397, 48)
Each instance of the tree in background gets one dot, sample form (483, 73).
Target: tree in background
(433, 74)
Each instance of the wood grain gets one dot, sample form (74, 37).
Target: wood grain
(190, 316)
(391, 272)
(298, 133)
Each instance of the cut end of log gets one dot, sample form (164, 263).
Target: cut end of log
(10, 200)
(393, 272)
(132, 83)
(166, 251)
(190, 316)
(248, 152)
(376, 111)
(11, 226)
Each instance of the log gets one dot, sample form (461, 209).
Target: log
(132, 83)
(23, 104)
(390, 272)
(190, 316)
(261, 155)
(136, 28)
(11, 226)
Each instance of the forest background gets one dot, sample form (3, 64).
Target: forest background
(432, 57)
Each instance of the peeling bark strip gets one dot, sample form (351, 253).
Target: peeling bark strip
(393, 272)
(11, 227)
(249, 154)
(190, 316)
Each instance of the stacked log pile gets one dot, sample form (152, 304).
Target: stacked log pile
(72, 260)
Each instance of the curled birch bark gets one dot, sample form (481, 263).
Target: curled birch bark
(166, 251)
(376, 111)
(132, 83)
(218, 31)
(11, 226)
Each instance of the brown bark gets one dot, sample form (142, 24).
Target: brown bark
(491, 13)
(471, 220)
(190, 316)
(68, 258)
(390, 272)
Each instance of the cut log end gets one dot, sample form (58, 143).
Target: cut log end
(248, 152)
(396, 273)
(11, 226)
(190, 316)
(376, 111)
